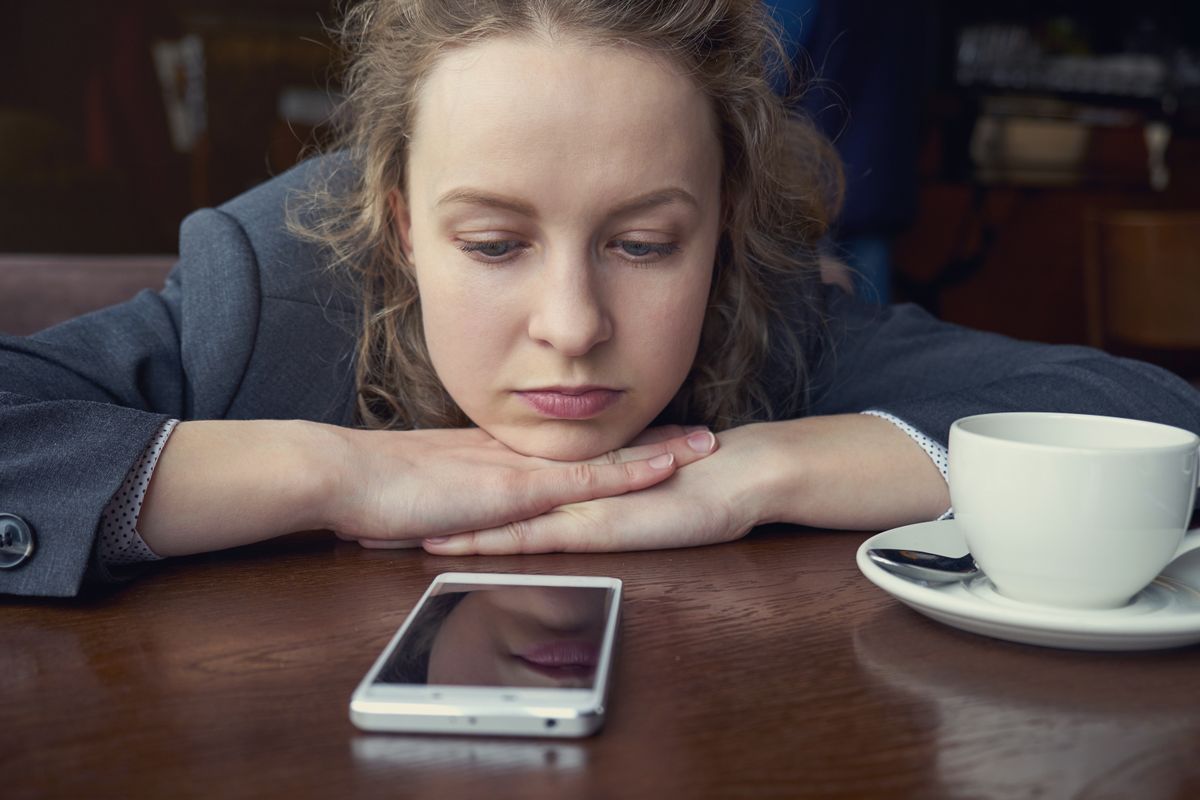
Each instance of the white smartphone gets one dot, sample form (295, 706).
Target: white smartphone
(497, 654)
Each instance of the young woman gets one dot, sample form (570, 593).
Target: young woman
(563, 243)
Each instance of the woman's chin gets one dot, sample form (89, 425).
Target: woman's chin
(561, 441)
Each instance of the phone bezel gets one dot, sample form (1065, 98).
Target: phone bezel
(514, 711)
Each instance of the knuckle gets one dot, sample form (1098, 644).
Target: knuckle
(518, 535)
(582, 476)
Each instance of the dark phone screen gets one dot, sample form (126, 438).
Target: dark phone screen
(519, 636)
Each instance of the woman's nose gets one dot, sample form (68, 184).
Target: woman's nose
(568, 313)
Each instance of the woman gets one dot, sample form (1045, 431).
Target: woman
(574, 224)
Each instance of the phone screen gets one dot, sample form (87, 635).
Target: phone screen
(496, 635)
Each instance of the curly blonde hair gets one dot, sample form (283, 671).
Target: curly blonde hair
(780, 186)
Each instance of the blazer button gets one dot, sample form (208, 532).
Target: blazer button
(16, 541)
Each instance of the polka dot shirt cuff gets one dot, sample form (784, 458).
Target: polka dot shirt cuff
(119, 543)
(933, 448)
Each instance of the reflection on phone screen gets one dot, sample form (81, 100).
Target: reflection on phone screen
(537, 636)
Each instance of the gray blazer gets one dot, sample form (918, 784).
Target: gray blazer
(251, 326)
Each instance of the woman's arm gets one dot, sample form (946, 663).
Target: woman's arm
(850, 471)
(224, 483)
(220, 484)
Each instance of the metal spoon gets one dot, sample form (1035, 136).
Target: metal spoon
(921, 566)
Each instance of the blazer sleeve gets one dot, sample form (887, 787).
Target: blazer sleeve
(80, 401)
(929, 373)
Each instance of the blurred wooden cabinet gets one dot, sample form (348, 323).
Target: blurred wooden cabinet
(91, 158)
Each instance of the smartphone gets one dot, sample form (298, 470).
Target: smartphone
(497, 654)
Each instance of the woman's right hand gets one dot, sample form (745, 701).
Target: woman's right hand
(396, 488)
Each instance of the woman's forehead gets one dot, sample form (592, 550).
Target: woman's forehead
(515, 111)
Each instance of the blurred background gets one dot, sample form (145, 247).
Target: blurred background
(1031, 168)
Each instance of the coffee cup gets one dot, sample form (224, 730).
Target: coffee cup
(1072, 510)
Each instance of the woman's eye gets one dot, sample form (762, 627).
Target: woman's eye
(644, 251)
(492, 250)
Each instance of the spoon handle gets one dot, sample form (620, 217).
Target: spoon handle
(922, 566)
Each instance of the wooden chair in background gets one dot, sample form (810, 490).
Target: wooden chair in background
(1143, 286)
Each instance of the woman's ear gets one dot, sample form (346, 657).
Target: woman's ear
(398, 207)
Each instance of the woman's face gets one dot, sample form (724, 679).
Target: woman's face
(562, 214)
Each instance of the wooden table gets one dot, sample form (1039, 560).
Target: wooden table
(765, 668)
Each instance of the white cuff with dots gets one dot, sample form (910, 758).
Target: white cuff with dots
(934, 449)
(118, 542)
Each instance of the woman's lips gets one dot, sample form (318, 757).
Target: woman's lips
(557, 654)
(562, 660)
(570, 403)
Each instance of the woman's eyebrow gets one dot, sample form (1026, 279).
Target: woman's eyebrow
(477, 197)
(660, 197)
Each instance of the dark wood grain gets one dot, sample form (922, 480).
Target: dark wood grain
(765, 668)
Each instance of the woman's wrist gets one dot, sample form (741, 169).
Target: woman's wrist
(757, 475)
(331, 490)
(313, 461)
(848, 471)
(776, 473)
(221, 484)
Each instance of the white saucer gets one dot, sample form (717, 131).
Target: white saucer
(1164, 614)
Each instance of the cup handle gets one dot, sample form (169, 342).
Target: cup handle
(1191, 538)
(1196, 497)
(1191, 541)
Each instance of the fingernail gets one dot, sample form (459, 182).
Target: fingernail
(694, 428)
(662, 462)
(437, 540)
(702, 442)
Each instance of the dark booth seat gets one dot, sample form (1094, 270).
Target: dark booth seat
(37, 291)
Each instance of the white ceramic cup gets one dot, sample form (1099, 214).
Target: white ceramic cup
(1072, 510)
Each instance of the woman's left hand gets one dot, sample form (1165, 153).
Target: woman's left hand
(712, 500)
